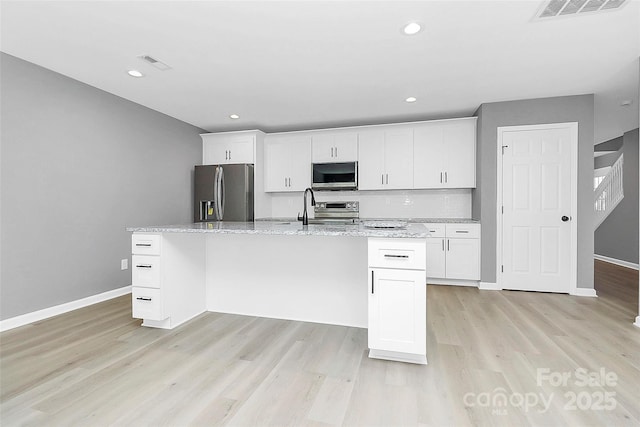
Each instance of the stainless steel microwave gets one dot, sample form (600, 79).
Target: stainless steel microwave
(335, 176)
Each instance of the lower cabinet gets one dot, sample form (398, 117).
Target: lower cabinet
(453, 252)
(397, 325)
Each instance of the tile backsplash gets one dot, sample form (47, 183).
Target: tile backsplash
(383, 204)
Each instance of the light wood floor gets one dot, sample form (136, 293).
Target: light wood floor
(96, 366)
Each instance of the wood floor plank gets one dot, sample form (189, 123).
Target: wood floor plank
(97, 366)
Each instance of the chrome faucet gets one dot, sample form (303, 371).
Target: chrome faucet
(305, 217)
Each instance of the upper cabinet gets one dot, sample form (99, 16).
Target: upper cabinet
(228, 148)
(334, 147)
(385, 158)
(444, 154)
(287, 162)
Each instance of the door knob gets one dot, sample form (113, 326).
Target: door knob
(565, 218)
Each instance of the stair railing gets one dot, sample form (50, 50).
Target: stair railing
(609, 193)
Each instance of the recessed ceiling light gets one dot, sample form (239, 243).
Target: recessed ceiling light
(626, 103)
(411, 99)
(135, 73)
(411, 28)
(234, 116)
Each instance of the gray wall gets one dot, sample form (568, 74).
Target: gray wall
(78, 166)
(531, 112)
(617, 236)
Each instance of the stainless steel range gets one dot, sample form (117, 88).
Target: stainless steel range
(336, 213)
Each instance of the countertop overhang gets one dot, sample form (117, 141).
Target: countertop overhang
(294, 228)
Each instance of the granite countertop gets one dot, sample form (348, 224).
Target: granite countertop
(410, 220)
(293, 228)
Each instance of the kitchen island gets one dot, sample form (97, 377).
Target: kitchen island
(280, 269)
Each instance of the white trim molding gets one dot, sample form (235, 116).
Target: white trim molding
(583, 292)
(36, 316)
(637, 322)
(452, 282)
(488, 286)
(615, 261)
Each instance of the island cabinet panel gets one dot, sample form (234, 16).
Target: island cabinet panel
(287, 162)
(397, 299)
(334, 147)
(385, 157)
(397, 303)
(445, 154)
(167, 278)
(228, 148)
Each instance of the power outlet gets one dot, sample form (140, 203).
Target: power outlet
(124, 264)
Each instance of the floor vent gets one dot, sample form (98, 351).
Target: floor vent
(158, 64)
(556, 8)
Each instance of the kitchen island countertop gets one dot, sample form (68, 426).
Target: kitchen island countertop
(293, 228)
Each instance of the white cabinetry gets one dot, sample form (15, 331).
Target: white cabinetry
(228, 148)
(146, 277)
(453, 252)
(167, 277)
(397, 300)
(445, 154)
(287, 162)
(334, 146)
(385, 158)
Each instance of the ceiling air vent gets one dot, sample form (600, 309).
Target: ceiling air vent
(153, 61)
(554, 8)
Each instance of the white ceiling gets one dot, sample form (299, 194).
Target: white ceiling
(285, 65)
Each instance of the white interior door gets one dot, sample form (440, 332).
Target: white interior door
(537, 208)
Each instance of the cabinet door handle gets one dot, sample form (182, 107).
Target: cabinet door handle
(285, 181)
(462, 231)
(372, 286)
(382, 176)
(226, 154)
(446, 179)
(395, 256)
(331, 151)
(336, 151)
(387, 178)
(144, 298)
(448, 244)
(443, 244)
(143, 244)
(440, 177)
(144, 266)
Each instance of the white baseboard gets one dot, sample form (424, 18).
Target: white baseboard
(25, 319)
(452, 282)
(637, 322)
(489, 286)
(616, 261)
(584, 292)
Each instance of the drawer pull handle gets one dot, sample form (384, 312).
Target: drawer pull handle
(143, 244)
(144, 266)
(396, 256)
(144, 298)
(462, 231)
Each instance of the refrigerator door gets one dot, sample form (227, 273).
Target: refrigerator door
(204, 197)
(236, 193)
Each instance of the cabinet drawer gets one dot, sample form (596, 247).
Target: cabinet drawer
(147, 304)
(145, 271)
(436, 230)
(463, 231)
(409, 254)
(145, 244)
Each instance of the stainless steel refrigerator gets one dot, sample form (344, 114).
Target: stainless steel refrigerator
(223, 193)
